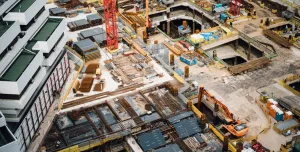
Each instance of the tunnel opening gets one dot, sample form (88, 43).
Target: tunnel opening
(254, 52)
(257, 53)
(234, 60)
(295, 86)
(282, 27)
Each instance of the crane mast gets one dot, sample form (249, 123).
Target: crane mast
(110, 17)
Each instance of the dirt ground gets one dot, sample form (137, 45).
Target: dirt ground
(238, 93)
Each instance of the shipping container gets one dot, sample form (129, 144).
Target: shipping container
(288, 115)
(279, 115)
(271, 102)
(276, 113)
(272, 112)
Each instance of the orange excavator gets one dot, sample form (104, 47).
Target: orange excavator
(235, 127)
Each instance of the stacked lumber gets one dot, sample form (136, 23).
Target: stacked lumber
(91, 68)
(86, 84)
(277, 38)
(139, 49)
(250, 65)
(173, 49)
(177, 46)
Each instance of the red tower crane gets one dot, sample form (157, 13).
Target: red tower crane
(110, 17)
(235, 7)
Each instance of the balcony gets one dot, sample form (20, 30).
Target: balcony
(19, 73)
(8, 32)
(12, 107)
(56, 51)
(8, 142)
(22, 41)
(24, 11)
(49, 34)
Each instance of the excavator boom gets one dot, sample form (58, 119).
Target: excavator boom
(235, 127)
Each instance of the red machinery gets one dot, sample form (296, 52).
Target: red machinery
(235, 7)
(110, 17)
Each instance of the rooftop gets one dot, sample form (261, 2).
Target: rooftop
(46, 31)
(4, 26)
(19, 65)
(187, 127)
(100, 38)
(151, 140)
(57, 10)
(22, 6)
(180, 116)
(81, 22)
(93, 17)
(92, 32)
(86, 45)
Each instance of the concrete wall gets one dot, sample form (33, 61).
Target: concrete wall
(42, 103)
(9, 36)
(60, 46)
(6, 5)
(25, 17)
(15, 105)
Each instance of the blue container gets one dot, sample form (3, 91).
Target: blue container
(188, 61)
(279, 116)
(218, 5)
(223, 16)
(179, 72)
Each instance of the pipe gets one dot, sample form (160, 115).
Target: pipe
(184, 23)
(200, 94)
(189, 105)
(225, 143)
(215, 113)
(203, 122)
(186, 71)
(172, 58)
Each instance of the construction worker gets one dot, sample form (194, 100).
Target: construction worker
(272, 20)
(285, 29)
(214, 54)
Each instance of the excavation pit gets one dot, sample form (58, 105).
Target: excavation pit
(234, 60)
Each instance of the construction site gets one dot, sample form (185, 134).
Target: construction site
(178, 76)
